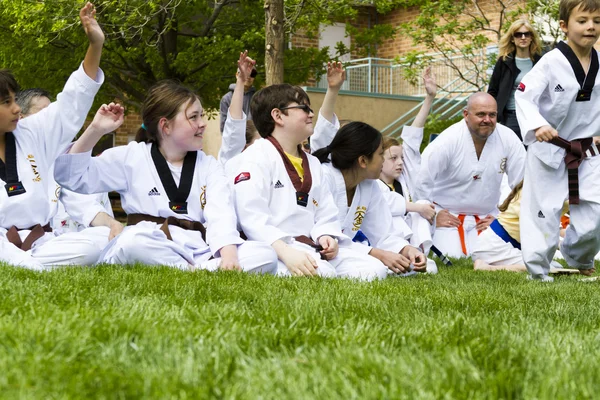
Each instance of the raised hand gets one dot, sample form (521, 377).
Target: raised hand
(108, 118)
(429, 82)
(87, 14)
(336, 75)
(245, 66)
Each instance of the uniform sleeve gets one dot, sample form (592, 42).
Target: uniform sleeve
(83, 173)
(377, 224)
(395, 201)
(412, 137)
(515, 164)
(326, 215)
(219, 212)
(82, 208)
(234, 138)
(55, 126)
(527, 98)
(251, 199)
(432, 163)
(324, 132)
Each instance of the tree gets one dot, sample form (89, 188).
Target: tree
(194, 41)
(459, 31)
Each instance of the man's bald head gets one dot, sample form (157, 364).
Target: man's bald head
(481, 98)
(481, 114)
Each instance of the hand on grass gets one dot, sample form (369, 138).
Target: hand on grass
(416, 257)
(397, 263)
(229, 258)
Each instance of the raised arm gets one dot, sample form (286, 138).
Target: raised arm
(91, 62)
(431, 89)
(336, 75)
(108, 118)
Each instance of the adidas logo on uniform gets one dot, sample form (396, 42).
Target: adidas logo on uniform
(559, 88)
(278, 185)
(154, 192)
(541, 214)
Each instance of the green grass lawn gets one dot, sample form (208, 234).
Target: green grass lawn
(113, 332)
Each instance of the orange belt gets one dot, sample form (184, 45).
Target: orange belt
(461, 231)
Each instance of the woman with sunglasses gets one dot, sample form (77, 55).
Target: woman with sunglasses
(518, 51)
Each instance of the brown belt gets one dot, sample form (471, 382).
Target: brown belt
(309, 242)
(133, 219)
(577, 151)
(37, 231)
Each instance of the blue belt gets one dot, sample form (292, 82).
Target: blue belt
(501, 232)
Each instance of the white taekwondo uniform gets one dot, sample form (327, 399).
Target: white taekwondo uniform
(39, 139)
(454, 179)
(234, 138)
(548, 95)
(268, 210)
(131, 171)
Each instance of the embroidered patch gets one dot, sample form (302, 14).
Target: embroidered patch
(559, 88)
(475, 177)
(203, 197)
(359, 215)
(278, 185)
(502, 165)
(154, 192)
(316, 203)
(521, 87)
(243, 176)
(34, 167)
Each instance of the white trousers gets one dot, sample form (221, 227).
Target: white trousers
(491, 249)
(448, 240)
(50, 251)
(347, 264)
(544, 192)
(145, 243)
(422, 230)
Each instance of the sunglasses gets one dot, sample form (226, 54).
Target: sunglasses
(303, 107)
(253, 73)
(522, 35)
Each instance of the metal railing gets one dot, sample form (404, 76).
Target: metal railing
(386, 76)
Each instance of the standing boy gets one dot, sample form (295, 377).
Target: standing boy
(558, 108)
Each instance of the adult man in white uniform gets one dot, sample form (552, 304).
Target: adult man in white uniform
(461, 173)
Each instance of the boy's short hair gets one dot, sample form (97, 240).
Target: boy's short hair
(566, 7)
(8, 83)
(274, 96)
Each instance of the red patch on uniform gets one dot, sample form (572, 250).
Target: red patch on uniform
(521, 87)
(244, 176)
(475, 177)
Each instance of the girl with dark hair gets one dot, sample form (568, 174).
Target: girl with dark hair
(169, 188)
(351, 165)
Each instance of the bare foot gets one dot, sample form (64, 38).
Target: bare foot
(587, 272)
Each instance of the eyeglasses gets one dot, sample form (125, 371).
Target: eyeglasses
(303, 107)
(522, 35)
